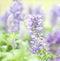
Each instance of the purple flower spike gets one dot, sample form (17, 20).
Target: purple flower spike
(35, 46)
(35, 20)
(35, 26)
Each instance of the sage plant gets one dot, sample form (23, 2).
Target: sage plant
(35, 18)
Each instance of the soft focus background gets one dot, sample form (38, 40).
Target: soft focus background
(23, 54)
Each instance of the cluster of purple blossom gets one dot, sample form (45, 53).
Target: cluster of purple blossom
(53, 39)
(53, 42)
(13, 16)
(35, 18)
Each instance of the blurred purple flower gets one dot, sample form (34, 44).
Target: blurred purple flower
(55, 15)
(13, 25)
(58, 59)
(3, 20)
(53, 43)
(16, 6)
(15, 11)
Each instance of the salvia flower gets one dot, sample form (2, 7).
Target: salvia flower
(12, 21)
(55, 15)
(35, 26)
(36, 45)
(53, 43)
(17, 10)
(35, 21)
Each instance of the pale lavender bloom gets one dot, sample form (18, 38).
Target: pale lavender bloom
(13, 25)
(3, 20)
(58, 59)
(16, 6)
(15, 11)
(55, 15)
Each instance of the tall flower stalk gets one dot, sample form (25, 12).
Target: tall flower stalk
(35, 26)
